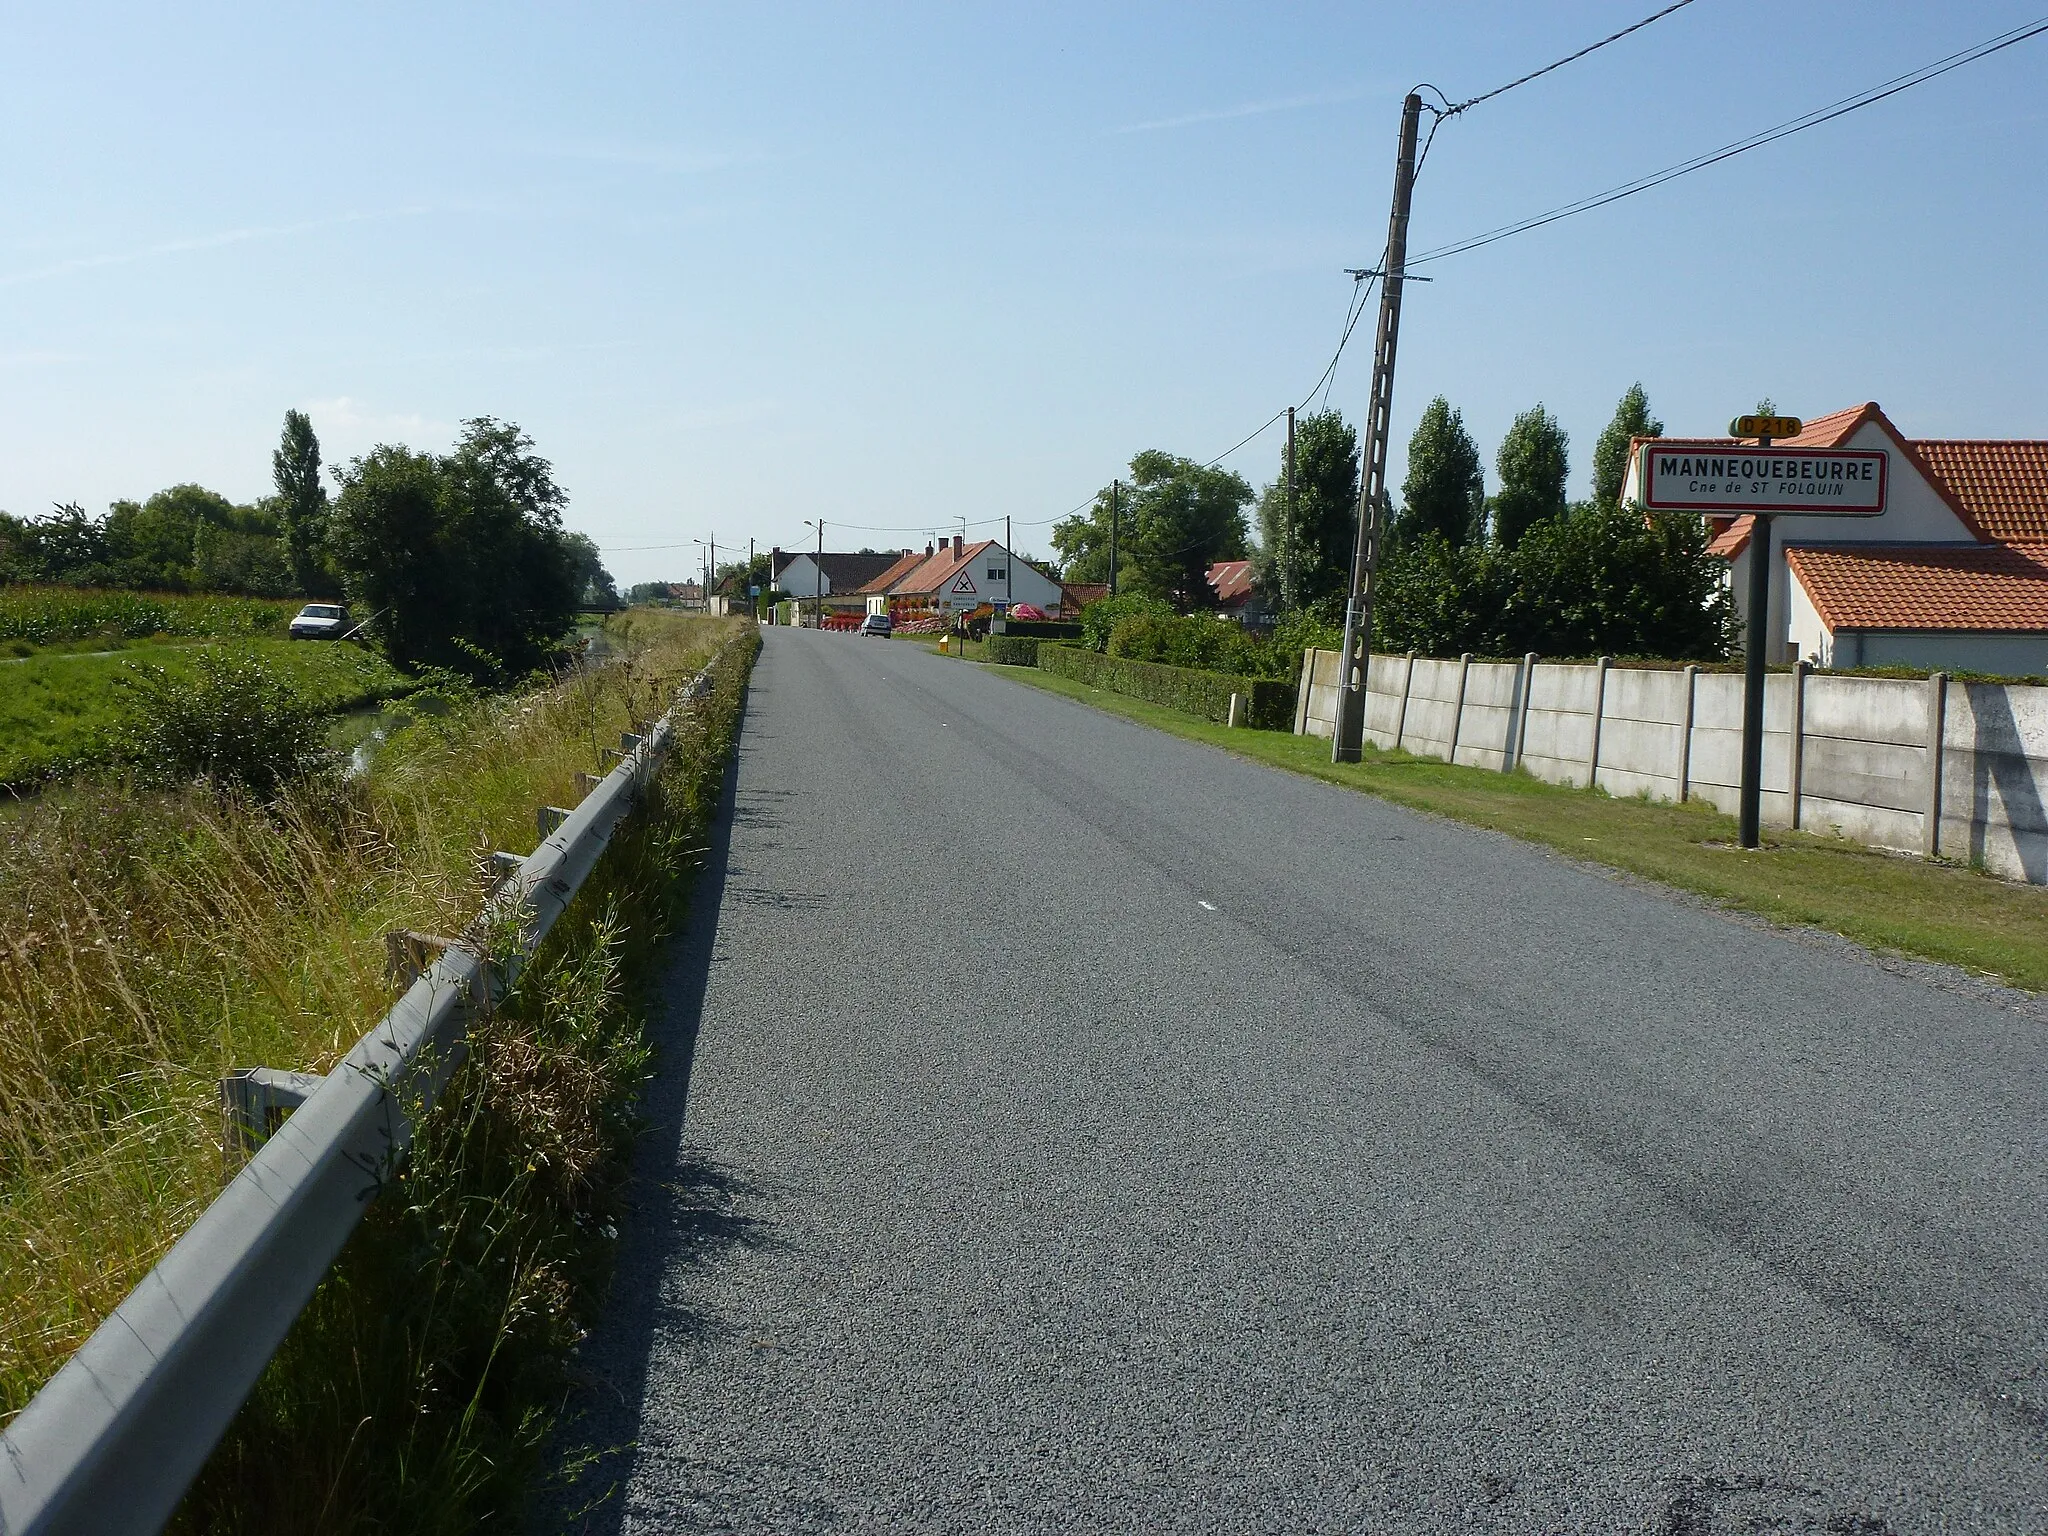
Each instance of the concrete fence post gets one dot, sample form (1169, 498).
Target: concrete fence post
(1599, 714)
(1797, 746)
(1458, 713)
(1301, 697)
(1235, 714)
(1937, 718)
(1401, 714)
(1692, 686)
(1528, 697)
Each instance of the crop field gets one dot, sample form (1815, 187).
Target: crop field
(61, 712)
(33, 616)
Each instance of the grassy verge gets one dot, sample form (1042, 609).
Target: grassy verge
(1934, 911)
(965, 650)
(150, 942)
(61, 712)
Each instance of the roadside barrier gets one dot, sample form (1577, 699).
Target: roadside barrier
(113, 1440)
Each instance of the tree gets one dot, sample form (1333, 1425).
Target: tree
(1445, 491)
(594, 585)
(1308, 564)
(1176, 519)
(1632, 419)
(464, 555)
(388, 537)
(1533, 467)
(1185, 517)
(302, 505)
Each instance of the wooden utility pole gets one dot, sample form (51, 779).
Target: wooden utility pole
(1349, 738)
(1288, 597)
(1115, 491)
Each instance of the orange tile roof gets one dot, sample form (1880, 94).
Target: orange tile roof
(2000, 587)
(934, 574)
(2003, 484)
(902, 568)
(1733, 537)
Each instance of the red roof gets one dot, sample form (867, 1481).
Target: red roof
(2001, 587)
(1232, 580)
(2002, 483)
(937, 573)
(1076, 595)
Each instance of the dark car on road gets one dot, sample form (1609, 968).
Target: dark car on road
(320, 621)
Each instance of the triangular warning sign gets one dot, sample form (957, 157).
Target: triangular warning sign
(965, 583)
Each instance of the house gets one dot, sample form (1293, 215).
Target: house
(1952, 574)
(836, 577)
(960, 577)
(1238, 595)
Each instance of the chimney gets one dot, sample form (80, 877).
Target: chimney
(927, 551)
(956, 546)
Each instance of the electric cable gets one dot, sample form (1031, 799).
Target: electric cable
(1537, 74)
(1819, 115)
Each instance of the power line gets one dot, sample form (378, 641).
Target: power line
(1813, 119)
(1537, 74)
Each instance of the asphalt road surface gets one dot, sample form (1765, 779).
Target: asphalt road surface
(1088, 1130)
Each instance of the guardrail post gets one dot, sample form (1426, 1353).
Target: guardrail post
(547, 818)
(253, 1104)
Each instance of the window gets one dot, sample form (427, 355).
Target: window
(999, 573)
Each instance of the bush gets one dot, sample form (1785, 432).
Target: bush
(1098, 619)
(1200, 641)
(1013, 650)
(232, 720)
(1206, 695)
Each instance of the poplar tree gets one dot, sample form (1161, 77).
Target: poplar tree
(1533, 467)
(302, 504)
(1445, 489)
(1632, 419)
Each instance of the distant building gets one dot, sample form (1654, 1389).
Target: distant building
(959, 577)
(1238, 595)
(1952, 574)
(830, 575)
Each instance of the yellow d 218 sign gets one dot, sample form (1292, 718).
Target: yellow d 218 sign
(1818, 482)
(1765, 426)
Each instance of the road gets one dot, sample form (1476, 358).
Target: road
(1089, 1130)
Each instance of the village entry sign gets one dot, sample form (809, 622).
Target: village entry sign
(1815, 482)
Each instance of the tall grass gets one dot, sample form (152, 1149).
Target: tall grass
(150, 942)
(47, 615)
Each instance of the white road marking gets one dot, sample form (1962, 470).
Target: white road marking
(1207, 906)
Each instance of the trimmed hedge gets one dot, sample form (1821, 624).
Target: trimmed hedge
(1042, 629)
(1013, 650)
(1206, 695)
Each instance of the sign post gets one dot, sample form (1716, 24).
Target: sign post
(1761, 482)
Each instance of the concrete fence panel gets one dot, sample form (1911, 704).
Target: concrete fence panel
(1860, 745)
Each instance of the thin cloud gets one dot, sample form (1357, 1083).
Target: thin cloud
(1245, 109)
(38, 359)
(210, 242)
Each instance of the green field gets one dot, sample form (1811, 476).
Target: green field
(60, 711)
(32, 617)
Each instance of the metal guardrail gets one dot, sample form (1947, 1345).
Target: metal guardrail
(115, 1438)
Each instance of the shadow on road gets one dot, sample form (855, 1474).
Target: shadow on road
(686, 1213)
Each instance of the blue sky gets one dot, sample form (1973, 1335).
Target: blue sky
(739, 266)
